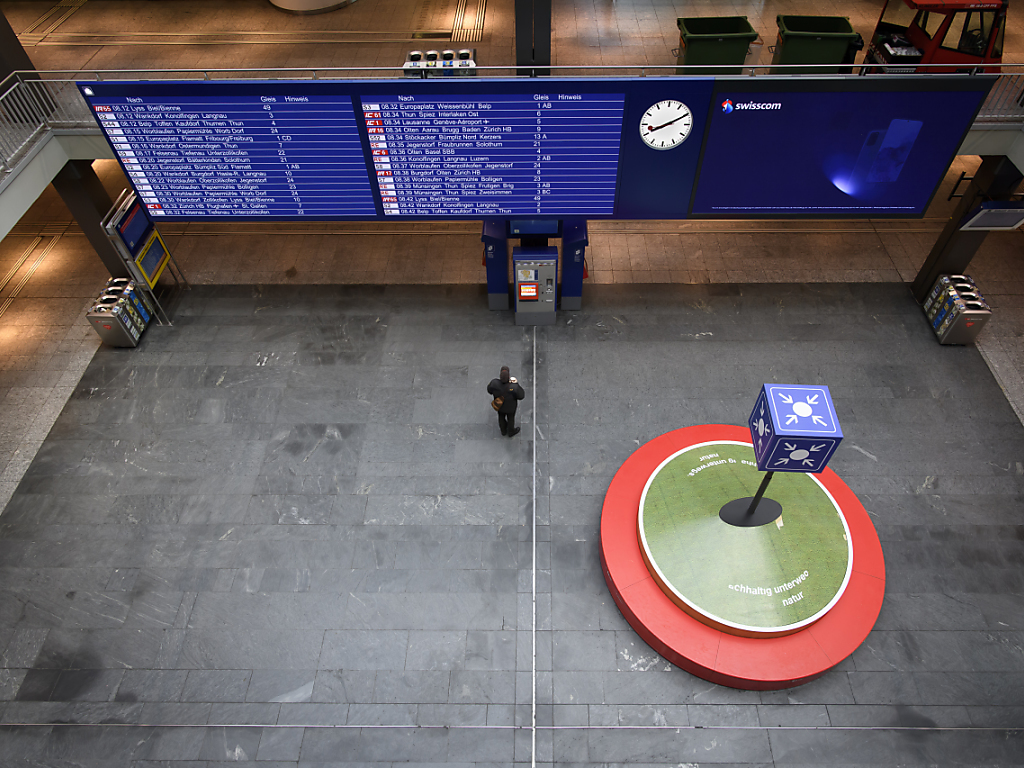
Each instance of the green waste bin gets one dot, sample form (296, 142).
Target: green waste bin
(717, 40)
(812, 40)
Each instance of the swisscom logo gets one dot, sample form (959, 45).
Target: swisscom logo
(728, 105)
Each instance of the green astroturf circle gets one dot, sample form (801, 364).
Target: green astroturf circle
(773, 579)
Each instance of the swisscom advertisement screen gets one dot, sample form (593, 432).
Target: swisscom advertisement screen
(795, 151)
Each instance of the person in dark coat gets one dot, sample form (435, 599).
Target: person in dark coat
(508, 388)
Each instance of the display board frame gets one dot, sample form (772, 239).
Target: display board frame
(650, 184)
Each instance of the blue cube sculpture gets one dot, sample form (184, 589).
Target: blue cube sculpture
(794, 428)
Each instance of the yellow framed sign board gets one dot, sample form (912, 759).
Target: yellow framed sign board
(152, 259)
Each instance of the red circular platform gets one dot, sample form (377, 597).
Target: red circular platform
(739, 662)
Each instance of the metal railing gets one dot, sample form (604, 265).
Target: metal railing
(1005, 102)
(35, 103)
(29, 108)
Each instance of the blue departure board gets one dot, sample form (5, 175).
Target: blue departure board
(534, 148)
(270, 155)
(394, 149)
(554, 154)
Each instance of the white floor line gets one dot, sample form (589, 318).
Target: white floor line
(533, 699)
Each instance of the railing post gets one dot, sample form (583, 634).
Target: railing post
(33, 102)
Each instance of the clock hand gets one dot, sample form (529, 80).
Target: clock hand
(665, 125)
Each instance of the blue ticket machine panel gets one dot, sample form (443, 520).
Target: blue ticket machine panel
(574, 244)
(495, 243)
(535, 273)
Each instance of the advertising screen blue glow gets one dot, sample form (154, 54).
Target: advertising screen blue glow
(822, 153)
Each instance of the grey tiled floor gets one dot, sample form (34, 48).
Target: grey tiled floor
(289, 520)
(37, 324)
(293, 509)
(45, 343)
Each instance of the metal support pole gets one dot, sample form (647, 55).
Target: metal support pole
(533, 36)
(750, 512)
(760, 492)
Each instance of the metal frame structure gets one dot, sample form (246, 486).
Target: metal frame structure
(37, 102)
(124, 201)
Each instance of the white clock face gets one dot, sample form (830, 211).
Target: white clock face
(666, 124)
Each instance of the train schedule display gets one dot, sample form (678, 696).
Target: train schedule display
(260, 155)
(528, 148)
(399, 149)
(538, 154)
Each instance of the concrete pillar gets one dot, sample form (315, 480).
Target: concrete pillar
(83, 193)
(996, 179)
(533, 36)
(12, 56)
(76, 183)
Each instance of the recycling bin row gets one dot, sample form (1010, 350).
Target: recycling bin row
(956, 310)
(446, 63)
(732, 40)
(121, 313)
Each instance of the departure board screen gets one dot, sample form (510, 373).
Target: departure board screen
(269, 155)
(536, 148)
(401, 149)
(553, 154)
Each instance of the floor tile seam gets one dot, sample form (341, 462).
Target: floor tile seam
(880, 242)
(533, 565)
(880, 727)
(19, 263)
